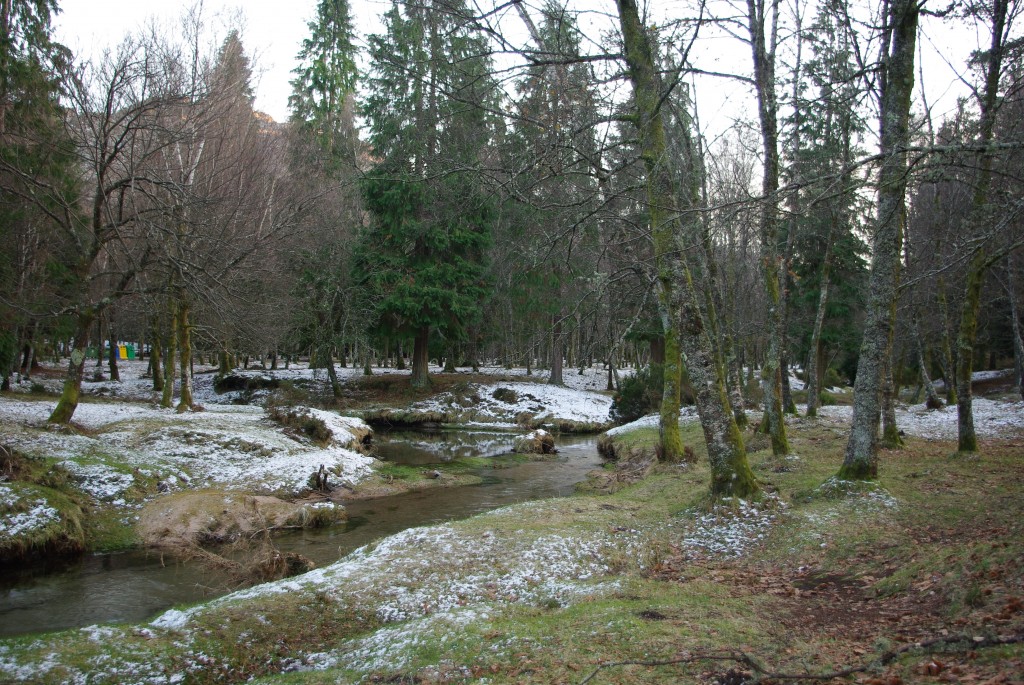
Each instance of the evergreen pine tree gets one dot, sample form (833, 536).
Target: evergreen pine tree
(424, 254)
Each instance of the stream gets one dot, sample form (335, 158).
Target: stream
(134, 586)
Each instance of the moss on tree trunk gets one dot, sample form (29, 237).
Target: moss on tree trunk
(676, 289)
(68, 402)
(861, 455)
(167, 399)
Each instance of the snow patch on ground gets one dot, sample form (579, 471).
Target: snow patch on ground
(231, 447)
(992, 419)
(652, 421)
(503, 402)
(21, 515)
(732, 528)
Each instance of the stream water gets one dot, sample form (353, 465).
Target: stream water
(134, 586)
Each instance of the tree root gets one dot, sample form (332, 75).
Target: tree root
(764, 675)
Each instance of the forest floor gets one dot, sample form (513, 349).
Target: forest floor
(915, 578)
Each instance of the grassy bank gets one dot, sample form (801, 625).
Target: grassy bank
(811, 579)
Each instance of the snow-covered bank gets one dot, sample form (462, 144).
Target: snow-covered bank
(226, 447)
(509, 403)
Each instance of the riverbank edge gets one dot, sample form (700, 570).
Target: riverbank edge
(83, 524)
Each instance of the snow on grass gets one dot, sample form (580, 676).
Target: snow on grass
(732, 528)
(231, 447)
(652, 421)
(99, 480)
(20, 515)
(992, 419)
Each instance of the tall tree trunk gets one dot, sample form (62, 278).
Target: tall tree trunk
(185, 401)
(155, 354)
(557, 351)
(932, 400)
(813, 371)
(763, 49)
(99, 343)
(967, 439)
(421, 359)
(891, 438)
(332, 373)
(947, 361)
(1018, 337)
(449, 358)
(115, 351)
(32, 352)
(731, 475)
(68, 402)
(861, 456)
(167, 399)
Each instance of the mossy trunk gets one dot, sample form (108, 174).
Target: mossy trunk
(788, 405)
(332, 373)
(155, 355)
(861, 456)
(967, 438)
(670, 440)
(772, 265)
(891, 438)
(167, 398)
(223, 362)
(68, 402)
(185, 401)
(735, 383)
(421, 359)
(731, 476)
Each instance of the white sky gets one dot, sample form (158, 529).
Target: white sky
(272, 32)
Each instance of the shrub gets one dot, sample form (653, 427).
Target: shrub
(308, 425)
(638, 395)
(833, 379)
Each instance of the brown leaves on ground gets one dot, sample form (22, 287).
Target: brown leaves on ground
(826, 621)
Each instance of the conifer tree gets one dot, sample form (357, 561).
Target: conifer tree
(423, 256)
(323, 90)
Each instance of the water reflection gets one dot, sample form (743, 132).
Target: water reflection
(439, 446)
